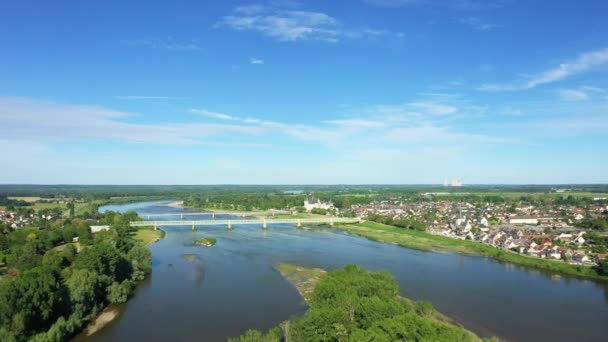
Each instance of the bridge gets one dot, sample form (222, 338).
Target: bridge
(230, 222)
(233, 213)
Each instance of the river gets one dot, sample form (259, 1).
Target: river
(209, 294)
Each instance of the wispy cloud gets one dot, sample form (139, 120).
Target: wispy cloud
(434, 108)
(286, 21)
(478, 24)
(256, 61)
(583, 63)
(35, 120)
(167, 43)
(283, 24)
(223, 116)
(573, 95)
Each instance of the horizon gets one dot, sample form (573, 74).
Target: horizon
(366, 92)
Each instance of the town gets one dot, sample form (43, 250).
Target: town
(561, 232)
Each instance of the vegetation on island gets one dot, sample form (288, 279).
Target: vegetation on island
(304, 279)
(425, 241)
(53, 290)
(207, 241)
(353, 304)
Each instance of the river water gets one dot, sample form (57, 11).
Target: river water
(209, 294)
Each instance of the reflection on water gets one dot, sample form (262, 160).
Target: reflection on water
(222, 291)
(198, 268)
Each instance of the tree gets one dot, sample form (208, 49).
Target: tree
(86, 289)
(71, 209)
(119, 293)
(32, 301)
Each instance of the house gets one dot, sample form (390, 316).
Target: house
(579, 257)
(97, 229)
(554, 252)
(483, 221)
(521, 220)
(564, 237)
(579, 239)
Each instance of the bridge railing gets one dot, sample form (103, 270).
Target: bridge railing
(230, 222)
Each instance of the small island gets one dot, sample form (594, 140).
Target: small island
(207, 242)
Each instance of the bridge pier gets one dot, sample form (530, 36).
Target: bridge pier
(213, 216)
(155, 227)
(193, 227)
(331, 222)
(181, 216)
(299, 224)
(229, 225)
(264, 225)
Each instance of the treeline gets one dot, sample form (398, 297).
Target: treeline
(245, 201)
(352, 304)
(55, 287)
(12, 203)
(407, 223)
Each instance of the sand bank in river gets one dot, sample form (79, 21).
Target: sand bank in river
(176, 204)
(106, 316)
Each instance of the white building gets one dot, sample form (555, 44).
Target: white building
(96, 229)
(310, 204)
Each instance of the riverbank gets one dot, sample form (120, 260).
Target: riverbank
(175, 204)
(429, 242)
(148, 235)
(108, 314)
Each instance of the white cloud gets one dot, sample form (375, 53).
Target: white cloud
(256, 61)
(286, 25)
(280, 20)
(573, 95)
(585, 62)
(434, 108)
(213, 115)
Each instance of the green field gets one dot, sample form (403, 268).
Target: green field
(429, 242)
(148, 235)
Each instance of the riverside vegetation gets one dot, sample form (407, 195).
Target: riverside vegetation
(424, 241)
(52, 292)
(353, 304)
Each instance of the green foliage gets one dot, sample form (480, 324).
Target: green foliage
(352, 304)
(119, 293)
(408, 223)
(56, 282)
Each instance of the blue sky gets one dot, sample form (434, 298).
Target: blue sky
(358, 91)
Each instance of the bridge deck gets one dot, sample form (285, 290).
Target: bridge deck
(330, 220)
(234, 213)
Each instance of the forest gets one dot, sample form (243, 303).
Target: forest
(60, 277)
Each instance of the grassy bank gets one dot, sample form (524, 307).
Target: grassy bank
(148, 235)
(429, 242)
